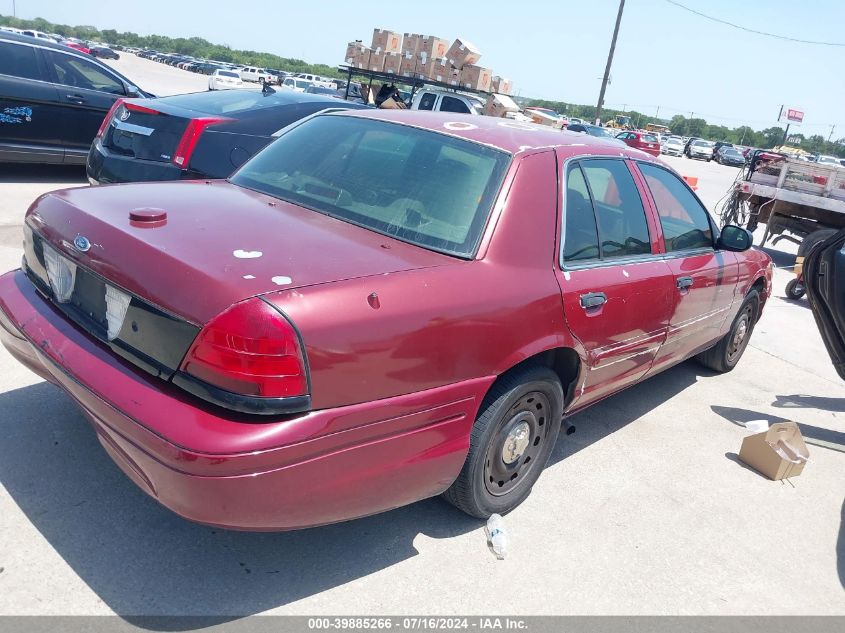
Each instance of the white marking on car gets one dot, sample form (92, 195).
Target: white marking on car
(459, 125)
(626, 273)
(281, 280)
(241, 254)
(249, 276)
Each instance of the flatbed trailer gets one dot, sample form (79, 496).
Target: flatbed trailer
(799, 201)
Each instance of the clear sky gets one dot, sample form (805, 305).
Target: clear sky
(554, 49)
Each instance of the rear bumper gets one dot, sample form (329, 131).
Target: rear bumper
(104, 167)
(215, 468)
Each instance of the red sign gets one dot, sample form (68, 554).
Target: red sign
(795, 115)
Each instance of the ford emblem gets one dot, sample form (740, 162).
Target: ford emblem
(125, 114)
(81, 243)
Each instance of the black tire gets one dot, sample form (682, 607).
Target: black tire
(812, 239)
(795, 289)
(527, 403)
(725, 355)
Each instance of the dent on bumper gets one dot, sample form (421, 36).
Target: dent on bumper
(212, 467)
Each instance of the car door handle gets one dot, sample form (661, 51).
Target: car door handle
(593, 300)
(75, 98)
(684, 282)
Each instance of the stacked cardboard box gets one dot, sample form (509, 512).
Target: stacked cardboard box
(501, 85)
(499, 105)
(431, 47)
(386, 41)
(426, 57)
(393, 63)
(476, 77)
(462, 53)
(441, 70)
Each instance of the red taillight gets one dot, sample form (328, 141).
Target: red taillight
(189, 139)
(135, 107)
(108, 118)
(250, 349)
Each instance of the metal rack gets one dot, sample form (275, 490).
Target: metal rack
(414, 82)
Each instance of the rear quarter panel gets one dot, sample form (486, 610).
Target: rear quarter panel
(441, 325)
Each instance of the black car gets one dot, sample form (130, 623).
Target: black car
(53, 100)
(729, 155)
(198, 135)
(103, 52)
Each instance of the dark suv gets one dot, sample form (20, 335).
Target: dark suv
(53, 100)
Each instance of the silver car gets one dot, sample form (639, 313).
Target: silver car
(702, 149)
(672, 145)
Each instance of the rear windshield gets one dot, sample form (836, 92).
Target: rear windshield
(648, 138)
(418, 186)
(227, 73)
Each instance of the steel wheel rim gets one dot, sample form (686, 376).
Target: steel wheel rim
(740, 335)
(517, 443)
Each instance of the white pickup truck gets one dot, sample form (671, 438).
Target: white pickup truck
(446, 101)
(258, 75)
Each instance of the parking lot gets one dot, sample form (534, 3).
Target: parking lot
(645, 509)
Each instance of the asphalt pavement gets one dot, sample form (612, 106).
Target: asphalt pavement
(645, 509)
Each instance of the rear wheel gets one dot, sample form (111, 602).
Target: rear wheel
(510, 443)
(724, 356)
(795, 289)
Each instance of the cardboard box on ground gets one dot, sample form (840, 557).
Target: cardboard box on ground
(777, 453)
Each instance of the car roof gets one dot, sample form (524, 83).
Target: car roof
(27, 39)
(504, 134)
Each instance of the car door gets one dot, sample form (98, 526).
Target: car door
(617, 290)
(824, 278)
(704, 279)
(87, 89)
(30, 130)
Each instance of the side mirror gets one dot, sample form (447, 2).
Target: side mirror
(133, 91)
(734, 238)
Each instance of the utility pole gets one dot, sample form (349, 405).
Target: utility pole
(786, 131)
(830, 136)
(14, 10)
(609, 62)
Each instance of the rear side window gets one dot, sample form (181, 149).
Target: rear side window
(581, 239)
(427, 101)
(622, 226)
(18, 60)
(80, 73)
(684, 220)
(450, 104)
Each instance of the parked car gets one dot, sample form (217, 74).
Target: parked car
(224, 80)
(595, 130)
(323, 90)
(295, 84)
(727, 155)
(104, 52)
(197, 135)
(700, 149)
(672, 146)
(77, 47)
(719, 145)
(643, 141)
(53, 100)
(828, 160)
(346, 325)
(257, 75)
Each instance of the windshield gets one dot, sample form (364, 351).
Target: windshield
(599, 131)
(320, 90)
(731, 152)
(418, 186)
(226, 101)
(702, 144)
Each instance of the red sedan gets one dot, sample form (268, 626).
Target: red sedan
(379, 307)
(643, 141)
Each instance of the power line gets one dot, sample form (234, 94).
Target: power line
(756, 32)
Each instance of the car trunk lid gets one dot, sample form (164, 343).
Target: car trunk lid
(218, 244)
(145, 133)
